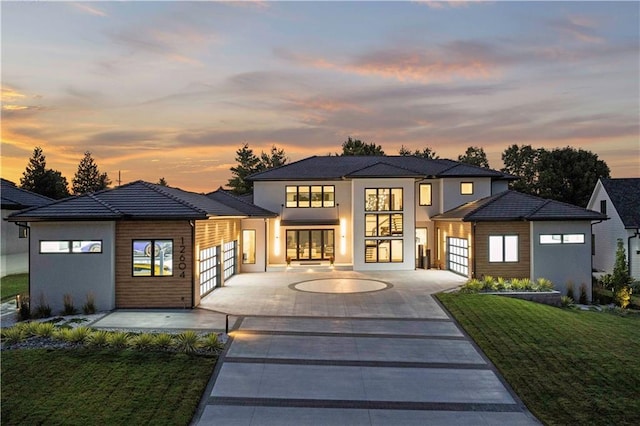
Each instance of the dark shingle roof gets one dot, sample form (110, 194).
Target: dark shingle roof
(625, 196)
(513, 205)
(14, 198)
(340, 167)
(137, 200)
(240, 204)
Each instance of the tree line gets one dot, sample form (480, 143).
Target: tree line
(563, 174)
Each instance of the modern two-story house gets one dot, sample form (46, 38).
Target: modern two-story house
(144, 245)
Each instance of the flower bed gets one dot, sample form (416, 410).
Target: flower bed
(540, 290)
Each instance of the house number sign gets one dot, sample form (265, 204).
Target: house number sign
(182, 266)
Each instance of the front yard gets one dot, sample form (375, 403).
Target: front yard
(85, 386)
(568, 366)
(11, 285)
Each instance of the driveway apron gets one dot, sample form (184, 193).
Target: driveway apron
(327, 370)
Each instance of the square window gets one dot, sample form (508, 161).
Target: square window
(466, 188)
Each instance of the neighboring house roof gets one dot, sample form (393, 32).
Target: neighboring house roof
(136, 200)
(344, 167)
(14, 198)
(625, 196)
(513, 205)
(240, 204)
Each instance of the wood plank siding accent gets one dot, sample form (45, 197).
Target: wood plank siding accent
(154, 292)
(212, 233)
(520, 269)
(452, 229)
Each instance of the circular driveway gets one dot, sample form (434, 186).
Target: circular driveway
(340, 285)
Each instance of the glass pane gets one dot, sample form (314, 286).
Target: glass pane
(370, 225)
(495, 249)
(511, 248)
(384, 225)
(316, 196)
(370, 251)
(425, 194)
(384, 250)
(396, 224)
(384, 199)
(141, 258)
(303, 248)
(303, 196)
(163, 259)
(396, 250)
(249, 246)
(550, 239)
(466, 188)
(87, 246)
(396, 199)
(328, 243)
(370, 200)
(328, 196)
(316, 244)
(292, 244)
(573, 238)
(292, 196)
(54, 246)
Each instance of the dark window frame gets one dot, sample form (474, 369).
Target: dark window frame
(390, 189)
(324, 203)
(473, 189)
(70, 246)
(152, 258)
(603, 206)
(420, 201)
(378, 241)
(503, 248)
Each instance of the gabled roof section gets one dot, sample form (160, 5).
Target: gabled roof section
(14, 198)
(513, 205)
(238, 204)
(347, 167)
(384, 169)
(625, 196)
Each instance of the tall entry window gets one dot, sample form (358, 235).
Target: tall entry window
(310, 244)
(383, 219)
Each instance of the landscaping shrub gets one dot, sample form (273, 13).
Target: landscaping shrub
(42, 310)
(472, 286)
(211, 343)
(583, 294)
(63, 333)
(98, 338)
(44, 329)
(89, 306)
(187, 341)
(544, 284)
(623, 297)
(517, 284)
(142, 342)
(163, 340)
(118, 339)
(566, 301)
(69, 308)
(570, 290)
(488, 283)
(14, 334)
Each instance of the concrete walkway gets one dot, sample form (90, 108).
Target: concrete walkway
(385, 357)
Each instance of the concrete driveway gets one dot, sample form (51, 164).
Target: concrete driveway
(350, 348)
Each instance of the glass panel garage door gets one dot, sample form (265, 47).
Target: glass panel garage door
(209, 276)
(458, 251)
(229, 255)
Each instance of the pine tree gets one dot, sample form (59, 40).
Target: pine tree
(162, 182)
(37, 178)
(620, 277)
(248, 163)
(88, 178)
(475, 156)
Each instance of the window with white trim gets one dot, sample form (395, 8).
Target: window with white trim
(503, 248)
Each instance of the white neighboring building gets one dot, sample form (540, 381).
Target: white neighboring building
(620, 200)
(15, 241)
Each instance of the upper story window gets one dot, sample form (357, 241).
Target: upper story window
(310, 196)
(425, 194)
(67, 246)
(466, 188)
(383, 199)
(603, 206)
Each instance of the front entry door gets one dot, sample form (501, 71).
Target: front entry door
(310, 244)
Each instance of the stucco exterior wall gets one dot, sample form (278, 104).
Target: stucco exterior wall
(563, 264)
(260, 228)
(13, 250)
(451, 198)
(77, 274)
(408, 204)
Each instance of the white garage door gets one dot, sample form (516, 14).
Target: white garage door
(458, 255)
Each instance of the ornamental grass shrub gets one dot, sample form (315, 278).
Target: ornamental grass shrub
(212, 343)
(187, 341)
(142, 342)
(489, 283)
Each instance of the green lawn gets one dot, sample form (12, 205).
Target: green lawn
(101, 387)
(568, 366)
(13, 284)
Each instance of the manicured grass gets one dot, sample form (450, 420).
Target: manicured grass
(13, 284)
(101, 387)
(568, 366)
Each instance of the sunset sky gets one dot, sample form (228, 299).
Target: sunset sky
(173, 89)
